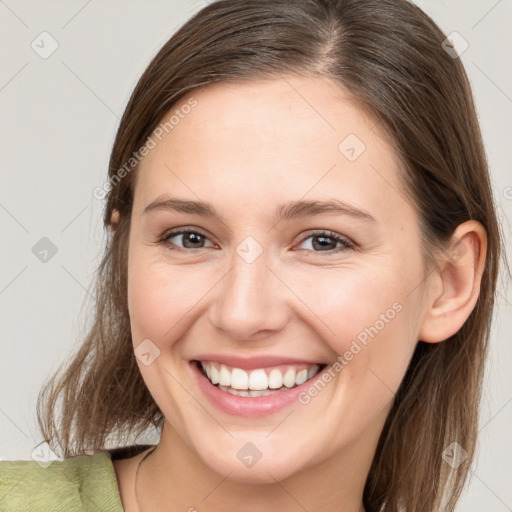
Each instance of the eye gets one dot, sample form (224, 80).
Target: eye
(322, 241)
(326, 241)
(191, 239)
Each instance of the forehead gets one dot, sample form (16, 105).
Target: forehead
(257, 142)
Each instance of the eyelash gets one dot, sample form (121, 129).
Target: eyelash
(346, 244)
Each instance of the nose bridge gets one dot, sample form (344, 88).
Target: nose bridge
(250, 298)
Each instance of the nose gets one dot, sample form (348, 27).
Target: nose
(251, 301)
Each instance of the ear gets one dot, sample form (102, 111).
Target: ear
(454, 288)
(114, 219)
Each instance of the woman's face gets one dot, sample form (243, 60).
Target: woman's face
(266, 289)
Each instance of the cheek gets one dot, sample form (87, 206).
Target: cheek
(367, 322)
(161, 302)
(165, 299)
(160, 296)
(365, 317)
(343, 302)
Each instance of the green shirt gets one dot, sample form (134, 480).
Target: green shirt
(85, 483)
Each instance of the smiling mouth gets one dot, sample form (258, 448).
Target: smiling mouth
(259, 381)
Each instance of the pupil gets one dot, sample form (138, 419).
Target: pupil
(187, 236)
(323, 244)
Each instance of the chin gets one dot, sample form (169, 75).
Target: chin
(262, 472)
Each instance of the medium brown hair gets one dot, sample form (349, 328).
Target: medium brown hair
(389, 55)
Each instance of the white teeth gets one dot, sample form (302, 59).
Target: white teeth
(214, 374)
(239, 379)
(289, 378)
(256, 382)
(263, 392)
(311, 372)
(224, 376)
(250, 393)
(275, 379)
(301, 377)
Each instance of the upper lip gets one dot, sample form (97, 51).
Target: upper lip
(251, 363)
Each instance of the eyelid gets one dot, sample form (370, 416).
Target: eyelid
(181, 231)
(346, 242)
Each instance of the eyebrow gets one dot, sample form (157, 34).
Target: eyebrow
(287, 211)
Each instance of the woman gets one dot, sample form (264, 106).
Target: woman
(299, 282)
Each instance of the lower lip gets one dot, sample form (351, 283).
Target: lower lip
(251, 407)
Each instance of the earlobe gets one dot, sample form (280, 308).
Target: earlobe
(114, 219)
(458, 277)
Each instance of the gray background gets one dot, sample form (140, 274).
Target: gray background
(57, 124)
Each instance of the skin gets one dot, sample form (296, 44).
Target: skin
(246, 148)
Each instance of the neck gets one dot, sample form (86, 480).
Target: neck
(175, 475)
